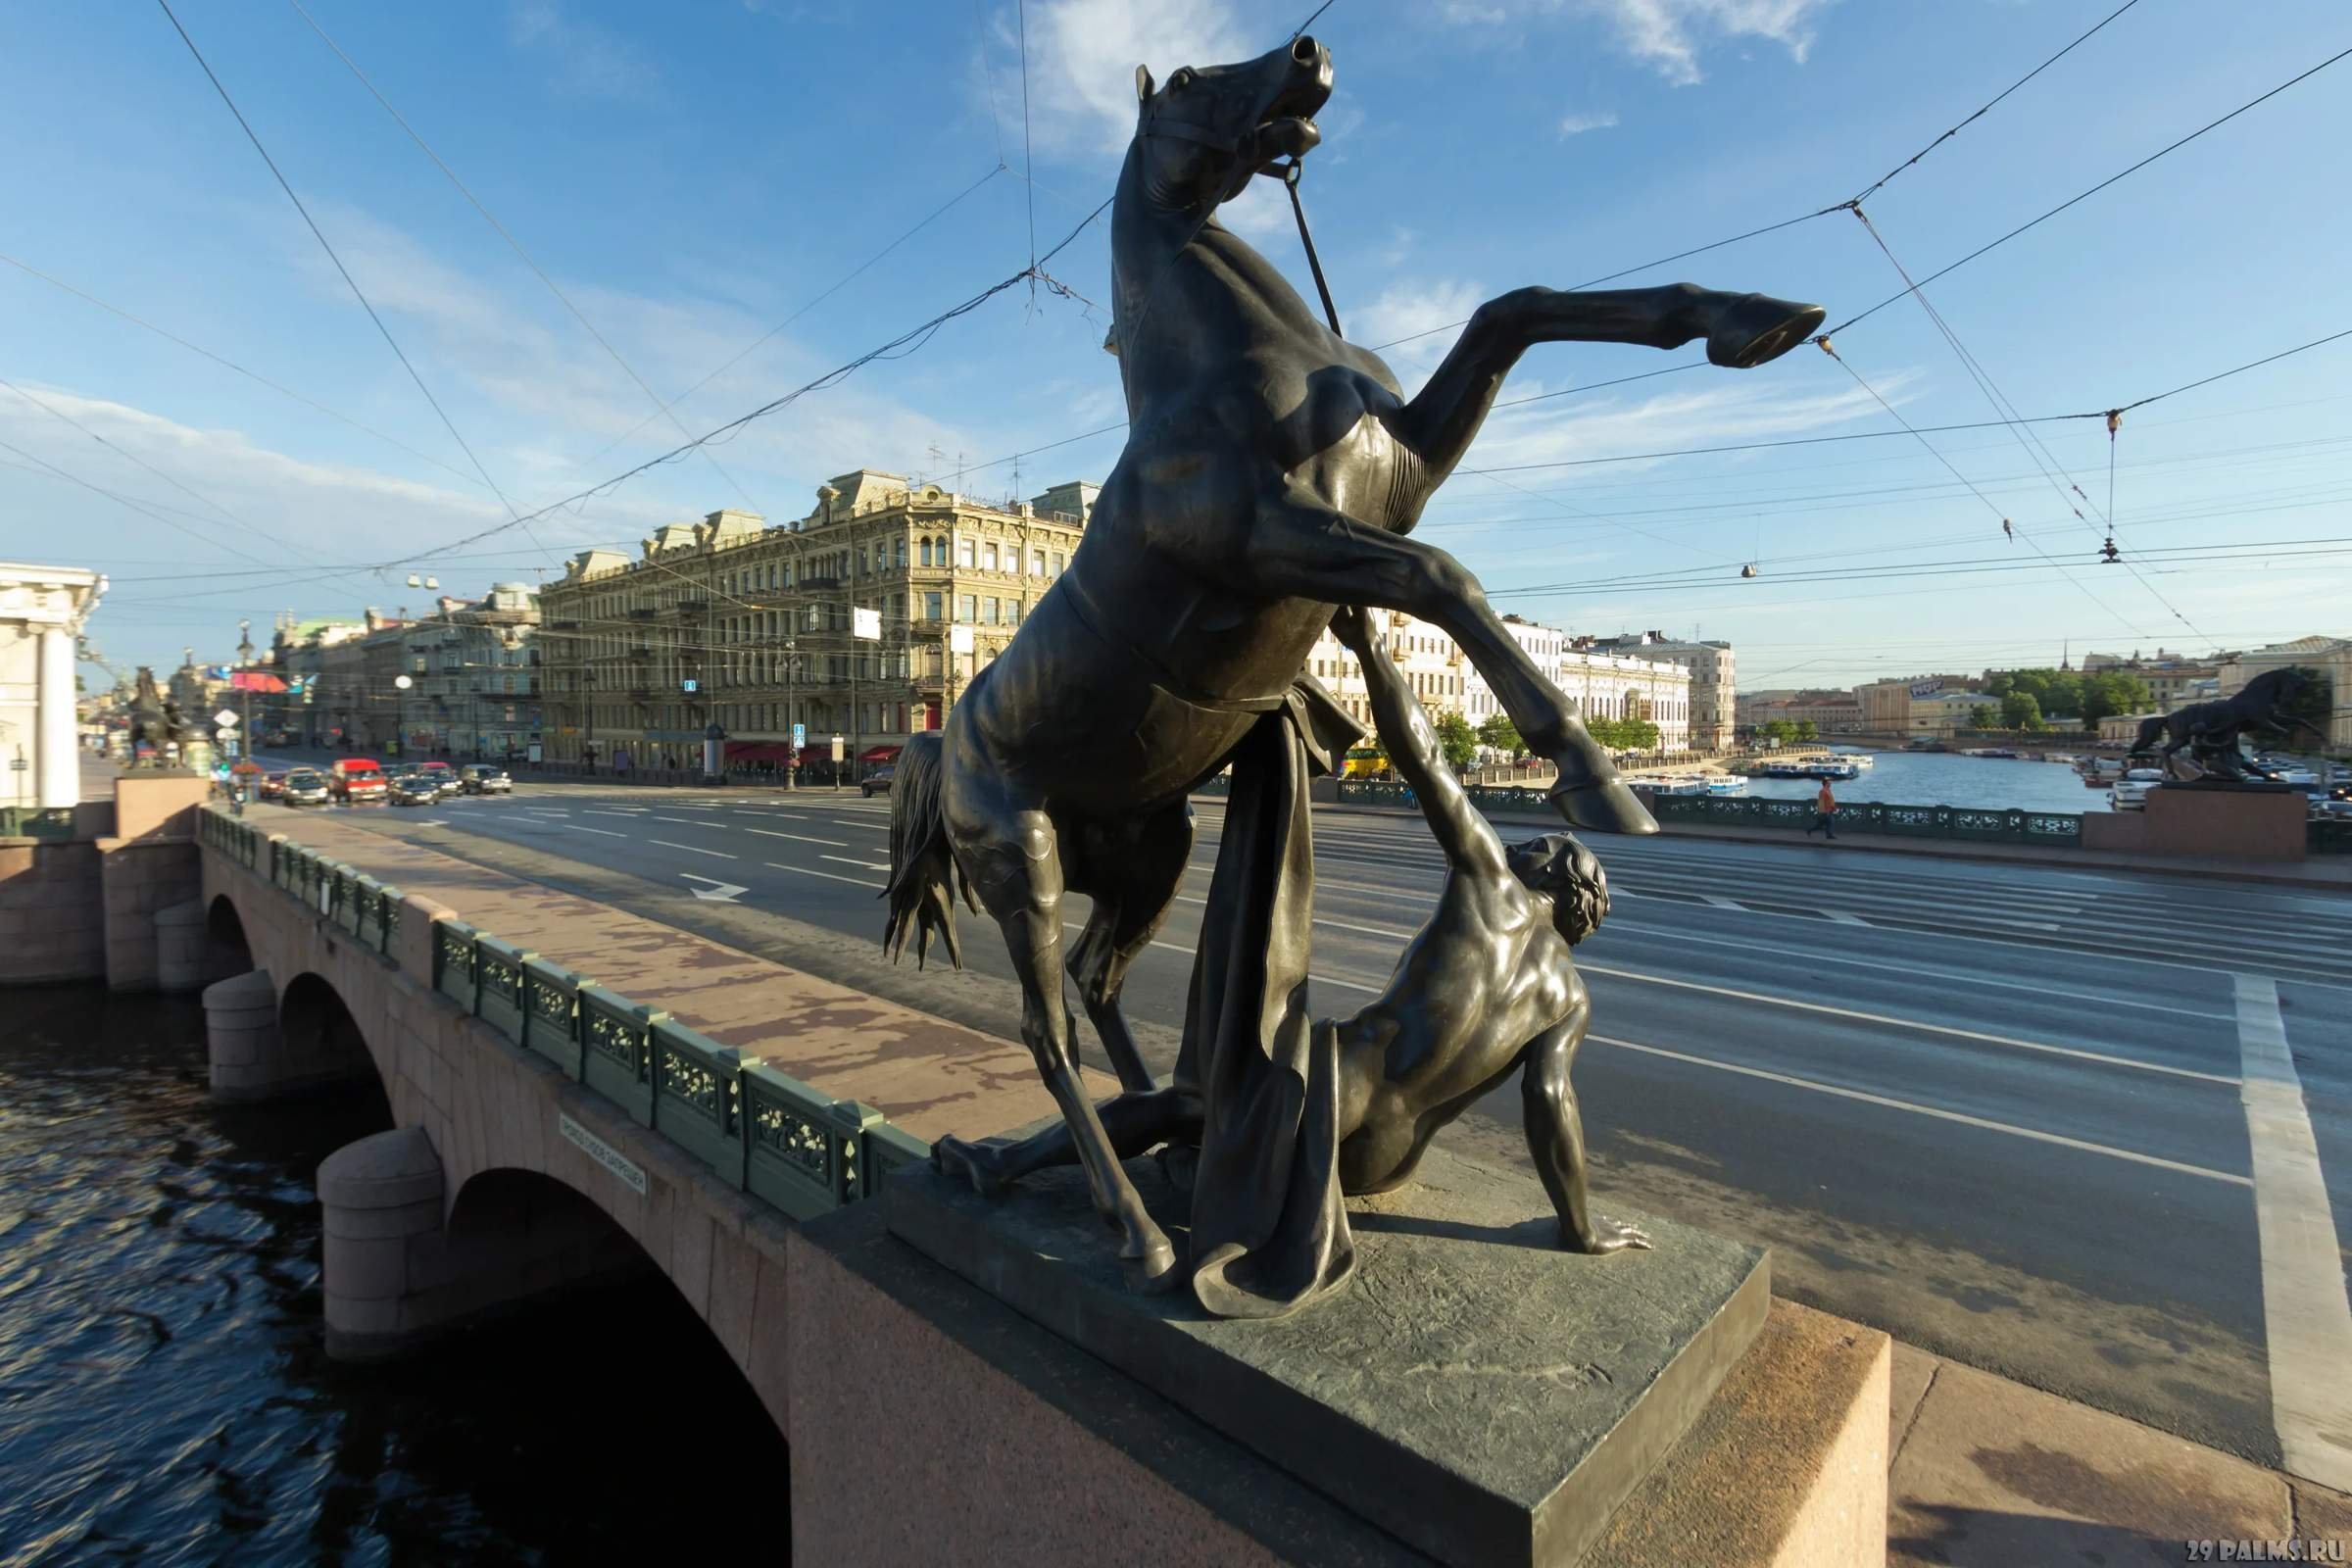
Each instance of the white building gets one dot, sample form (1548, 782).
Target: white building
(1597, 685)
(1714, 686)
(42, 610)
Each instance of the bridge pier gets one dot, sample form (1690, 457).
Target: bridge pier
(180, 944)
(399, 1274)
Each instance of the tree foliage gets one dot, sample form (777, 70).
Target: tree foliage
(2110, 693)
(2021, 709)
(1502, 735)
(1457, 740)
(1808, 730)
(1625, 734)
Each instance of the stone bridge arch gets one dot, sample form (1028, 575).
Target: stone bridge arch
(226, 953)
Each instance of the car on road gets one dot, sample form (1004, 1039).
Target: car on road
(357, 778)
(412, 787)
(307, 787)
(878, 781)
(484, 778)
(273, 784)
(442, 776)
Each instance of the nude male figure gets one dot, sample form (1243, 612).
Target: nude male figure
(1486, 989)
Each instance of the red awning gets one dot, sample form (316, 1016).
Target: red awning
(879, 754)
(758, 751)
(253, 680)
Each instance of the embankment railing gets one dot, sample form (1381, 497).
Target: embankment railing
(761, 1130)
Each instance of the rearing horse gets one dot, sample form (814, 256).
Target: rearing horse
(1272, 471)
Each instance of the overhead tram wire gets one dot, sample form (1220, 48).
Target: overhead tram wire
(989, 81)
(1028, 157)
(136, 506)
(840, 284)
(2093, 190)
(228, 363)
(1892, 413)
(357, 292)
(2035, 450)
(898, 347)
(513, 244)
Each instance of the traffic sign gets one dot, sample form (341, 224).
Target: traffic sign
(799, 736)
(837, 743)
(960, 639)
(866, 624)
(226, 719)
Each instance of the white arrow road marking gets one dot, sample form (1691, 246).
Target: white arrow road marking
(719, 892)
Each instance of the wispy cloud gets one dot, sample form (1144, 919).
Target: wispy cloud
(1576, 125)
(585, 57)
(1083, 55)
(1670, 35)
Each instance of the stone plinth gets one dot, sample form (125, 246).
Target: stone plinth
(159, 805)
(1475, 1392)
(2252, 824)
(997, 1441)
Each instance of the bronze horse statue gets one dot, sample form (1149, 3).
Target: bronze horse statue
(2209, 731)
(1272, 471)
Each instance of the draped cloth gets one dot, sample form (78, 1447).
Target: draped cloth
(1268, 1232)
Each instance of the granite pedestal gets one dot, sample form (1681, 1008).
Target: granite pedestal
(1475, 1393)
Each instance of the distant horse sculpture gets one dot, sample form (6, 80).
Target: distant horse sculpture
(155, 720)
(1271, 472)
(2210, 731)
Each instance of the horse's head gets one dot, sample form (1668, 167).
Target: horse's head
(1202, 135)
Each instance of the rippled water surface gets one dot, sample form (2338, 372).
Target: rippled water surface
(165, 1396)
(1947, 778)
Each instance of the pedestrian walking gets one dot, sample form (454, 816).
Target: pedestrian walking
(1825, 813)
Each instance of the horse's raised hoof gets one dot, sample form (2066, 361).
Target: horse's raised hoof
(1755, 328)
(950, 1155)
(1603, 805)
(1179, 1162)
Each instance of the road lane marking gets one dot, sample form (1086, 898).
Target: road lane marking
(1843, 918)
(685, 821)
(2305, 1317)
(868, 865)
(593, 811)
(803, 838)
(1722, 903)
(2100, 1056)
(830, 876)
(1917, 1110)
(692, 850)
(870, 827)
(582, 828)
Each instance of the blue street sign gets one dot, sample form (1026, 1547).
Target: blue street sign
(799, 736)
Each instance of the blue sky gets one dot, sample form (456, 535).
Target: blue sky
(694, 174)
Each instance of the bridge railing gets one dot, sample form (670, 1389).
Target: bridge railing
(759, 1129)
(2009, 826)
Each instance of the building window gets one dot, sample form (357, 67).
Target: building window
(1037, 564)
(931, 606)
(862, 561)
(988, 557)
(988, 612)
(897, 553)
(965, 607)
(964, 552)
(923, 553)
(1057, 560)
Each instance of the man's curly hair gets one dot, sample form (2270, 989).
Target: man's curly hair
(1558, 865)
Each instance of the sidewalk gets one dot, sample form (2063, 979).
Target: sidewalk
(1983, 1472)
(2323, 874)
(928, 1075)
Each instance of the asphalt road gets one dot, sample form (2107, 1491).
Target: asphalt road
(1995, 1110)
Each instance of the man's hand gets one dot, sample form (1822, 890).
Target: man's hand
(1349, 627)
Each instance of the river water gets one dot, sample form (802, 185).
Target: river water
(165, 1394)
(1947, 778)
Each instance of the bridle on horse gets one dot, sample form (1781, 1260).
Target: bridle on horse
(1289, 174)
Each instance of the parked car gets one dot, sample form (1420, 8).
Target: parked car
(273, 784)
(358, 779)
(878, 781)
(305, 787)
(443, 777)
(484, 778)
(413, 788)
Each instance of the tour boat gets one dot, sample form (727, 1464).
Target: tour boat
(1727, 784)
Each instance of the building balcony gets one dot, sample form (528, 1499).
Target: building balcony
(643, 615)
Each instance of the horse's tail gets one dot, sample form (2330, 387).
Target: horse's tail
(924, 877)
(2151, 730)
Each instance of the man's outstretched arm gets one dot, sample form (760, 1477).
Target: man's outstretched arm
(1412, 745)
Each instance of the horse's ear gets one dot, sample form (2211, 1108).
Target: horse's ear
(1143, 84)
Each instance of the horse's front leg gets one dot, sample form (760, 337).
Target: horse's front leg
(1303, 549)
(1742, 330)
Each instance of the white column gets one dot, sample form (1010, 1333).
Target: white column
(58, 769)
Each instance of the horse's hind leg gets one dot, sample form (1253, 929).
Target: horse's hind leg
(1133, 872)
(1012, 858)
